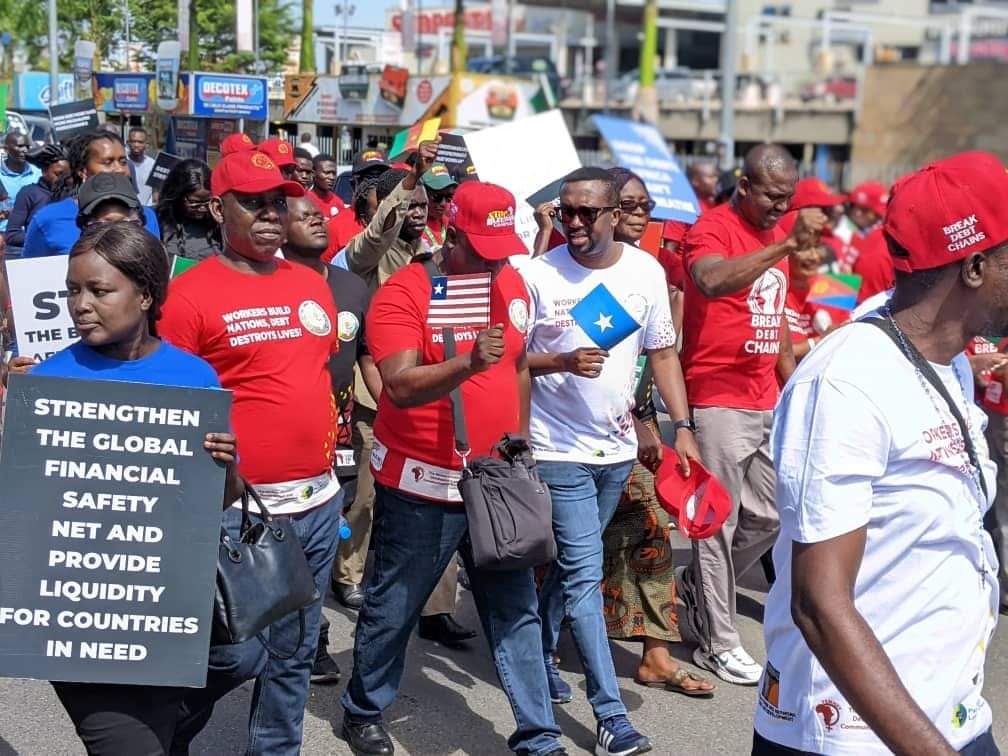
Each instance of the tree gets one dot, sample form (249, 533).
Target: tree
(458, 50)
(156, 20)
(307, 62)
(646, 106)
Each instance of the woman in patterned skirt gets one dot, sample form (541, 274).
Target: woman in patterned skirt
(638, 586)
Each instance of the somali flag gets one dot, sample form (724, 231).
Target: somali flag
(603, 318)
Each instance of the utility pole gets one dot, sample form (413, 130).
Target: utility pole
(129, 36)
(255, 35)
(729, 38)
(611, 53)
(53, 55)
(346, 10)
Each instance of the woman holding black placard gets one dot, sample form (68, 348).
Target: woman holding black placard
(117, 280)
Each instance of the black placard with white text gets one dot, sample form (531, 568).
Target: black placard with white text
(163, 164)
(110, 514)
(73, 118)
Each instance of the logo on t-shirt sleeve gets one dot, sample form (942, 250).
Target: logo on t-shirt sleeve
(314, 318)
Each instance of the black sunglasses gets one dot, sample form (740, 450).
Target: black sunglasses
(587, 215)
(439, 197)
(631, 206)
(256, 203)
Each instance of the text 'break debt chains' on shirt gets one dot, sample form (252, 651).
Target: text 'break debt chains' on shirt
(857, 447)
(589, 420)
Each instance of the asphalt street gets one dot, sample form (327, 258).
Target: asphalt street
(450, 703)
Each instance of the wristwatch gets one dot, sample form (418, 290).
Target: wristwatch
(678, 425)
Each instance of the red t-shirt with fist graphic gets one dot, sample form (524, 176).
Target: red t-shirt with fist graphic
(414, 448)
(269, 337)
(731, 343)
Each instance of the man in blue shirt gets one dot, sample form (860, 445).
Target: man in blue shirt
(15, 172)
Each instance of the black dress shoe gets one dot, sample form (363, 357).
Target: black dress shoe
(325, 670)
(350, 596)
(441, 628)
(368, 739)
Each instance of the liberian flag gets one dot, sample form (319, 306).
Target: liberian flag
(460, 301)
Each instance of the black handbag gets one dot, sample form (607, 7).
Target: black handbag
(508, 507)
(260, 578)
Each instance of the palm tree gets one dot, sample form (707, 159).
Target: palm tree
(458, 53)
(306, 63)
(646, 105)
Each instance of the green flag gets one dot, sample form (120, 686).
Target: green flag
(180, 265)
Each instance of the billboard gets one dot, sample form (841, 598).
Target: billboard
(226, 96)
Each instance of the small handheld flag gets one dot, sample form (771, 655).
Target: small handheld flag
(460, 301)
(603, 318)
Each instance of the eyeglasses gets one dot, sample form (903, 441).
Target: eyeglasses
(587, 215)
(437, 198)
(256, 203)
(629, 206)
(197, 204)
(89, 221)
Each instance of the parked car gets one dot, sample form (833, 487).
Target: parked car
(521, 67)
(673, 85)
(831, 89)
(37, 128)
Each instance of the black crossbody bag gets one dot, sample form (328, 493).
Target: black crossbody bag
(508, 507)
(920, 362)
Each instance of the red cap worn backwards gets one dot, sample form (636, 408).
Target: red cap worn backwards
(238, 142)
(250, 172)
(281, 152)
(485, 213)
(949, 210)
(813, 192)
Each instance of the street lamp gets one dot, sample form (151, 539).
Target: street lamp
(346, 10)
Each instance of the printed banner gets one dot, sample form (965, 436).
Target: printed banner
(221, 95)
(454, 155)
(167, 72)
(42, 322)
(32, 90)
(110, 513)
(352, 100)
(73, 118)
(641, 148)
(126, 93)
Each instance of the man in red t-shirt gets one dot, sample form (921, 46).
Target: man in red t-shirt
(703, 177)
(873, 263)
(736, 345)
(268, 327)
(321, 192)
(421, 522)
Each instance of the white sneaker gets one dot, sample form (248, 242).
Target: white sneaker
(735, 666)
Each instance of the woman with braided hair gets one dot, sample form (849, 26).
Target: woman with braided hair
(52, 160)
(54, 230)
(187, 228)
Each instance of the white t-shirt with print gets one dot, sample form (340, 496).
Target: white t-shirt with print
(857, 441)
(588, 419)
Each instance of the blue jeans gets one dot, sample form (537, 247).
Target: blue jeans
(413, 542)
(584, 500)
(276, 715)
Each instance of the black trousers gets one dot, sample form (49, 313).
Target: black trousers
(984, 745)
(122, 720)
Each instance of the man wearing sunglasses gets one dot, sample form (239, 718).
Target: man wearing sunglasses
(440, 188)
(268, 327)
(582, 294)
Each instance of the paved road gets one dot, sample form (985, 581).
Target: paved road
(450, 704)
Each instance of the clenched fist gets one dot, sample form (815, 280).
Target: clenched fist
(489, 348)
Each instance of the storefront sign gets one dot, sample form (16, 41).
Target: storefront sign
(219, 95)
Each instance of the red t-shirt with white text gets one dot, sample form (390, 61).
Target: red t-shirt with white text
(731, 343)
(414, 448)
(269, 338)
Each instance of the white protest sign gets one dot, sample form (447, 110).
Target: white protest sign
(42, 321)
(523, 157)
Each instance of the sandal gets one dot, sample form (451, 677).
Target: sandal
(675, 684)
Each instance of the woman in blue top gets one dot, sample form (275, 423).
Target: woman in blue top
(117, 280)
(53, 230)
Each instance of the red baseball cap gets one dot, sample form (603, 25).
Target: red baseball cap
(485, 213)
(700, 503)
(948, 210)
(813, 192)
(870, 195)
(281, 152)
(238, 142)
(250, 172)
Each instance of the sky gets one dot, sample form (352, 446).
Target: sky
(370, 13)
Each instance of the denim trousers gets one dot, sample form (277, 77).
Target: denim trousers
(276, 715)
(584, 500)
(413, 542)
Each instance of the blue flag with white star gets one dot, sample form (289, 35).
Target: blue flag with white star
(603, 318)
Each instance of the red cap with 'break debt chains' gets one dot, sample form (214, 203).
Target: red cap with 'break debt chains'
(949, 210)
(250, 172)
(485, 213)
